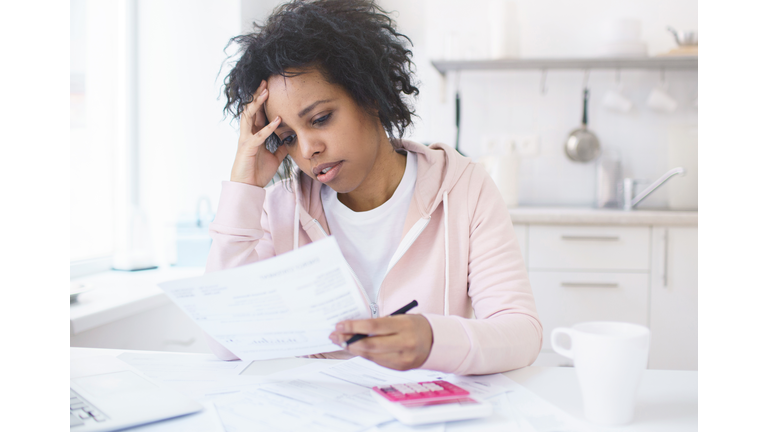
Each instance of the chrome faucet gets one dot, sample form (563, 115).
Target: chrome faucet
(629, 184)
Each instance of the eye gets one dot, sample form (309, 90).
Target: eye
(322, 119)
(288, 140)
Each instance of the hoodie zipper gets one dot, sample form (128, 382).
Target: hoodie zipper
(408, 240)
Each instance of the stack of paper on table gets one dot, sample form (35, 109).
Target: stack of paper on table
(336, 396)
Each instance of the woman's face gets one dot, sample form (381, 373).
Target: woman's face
(327, 134)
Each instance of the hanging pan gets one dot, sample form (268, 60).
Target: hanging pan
(582, 145)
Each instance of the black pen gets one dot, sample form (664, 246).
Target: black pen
(400, 311)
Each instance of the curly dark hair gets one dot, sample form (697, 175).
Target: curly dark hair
(352, 43)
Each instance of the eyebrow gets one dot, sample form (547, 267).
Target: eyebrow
(303, 112)
(306, 110)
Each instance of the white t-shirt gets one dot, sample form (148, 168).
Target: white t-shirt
(369, 239)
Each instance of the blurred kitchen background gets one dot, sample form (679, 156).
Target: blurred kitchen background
(150, 147)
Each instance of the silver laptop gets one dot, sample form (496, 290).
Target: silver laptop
(108, 394)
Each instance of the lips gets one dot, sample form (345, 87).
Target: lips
(319, 169)
(333, 171)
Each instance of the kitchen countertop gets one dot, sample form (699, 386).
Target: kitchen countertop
(593, 216)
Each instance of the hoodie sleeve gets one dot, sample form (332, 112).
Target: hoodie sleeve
(506, 333)
(239, 236)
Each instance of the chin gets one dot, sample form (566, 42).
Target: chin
(342, 187)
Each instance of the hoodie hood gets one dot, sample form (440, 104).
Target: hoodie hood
(440, 167)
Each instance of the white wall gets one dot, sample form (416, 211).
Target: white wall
(510, 102)
(186, 146)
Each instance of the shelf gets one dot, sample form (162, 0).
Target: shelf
(678, 62)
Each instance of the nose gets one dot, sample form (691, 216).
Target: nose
(310, 146)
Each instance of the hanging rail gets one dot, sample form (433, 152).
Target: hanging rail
(691, 62)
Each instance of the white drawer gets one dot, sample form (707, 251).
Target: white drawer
(588, 248)
(566, 298)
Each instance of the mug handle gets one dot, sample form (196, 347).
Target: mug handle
(559, 349)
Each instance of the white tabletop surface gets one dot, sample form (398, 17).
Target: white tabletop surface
(667, 400)
(118, 294)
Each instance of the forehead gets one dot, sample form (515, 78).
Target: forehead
(288, 95)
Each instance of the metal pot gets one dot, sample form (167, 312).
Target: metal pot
(582, 145)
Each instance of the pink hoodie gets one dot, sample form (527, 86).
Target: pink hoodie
(458, 254)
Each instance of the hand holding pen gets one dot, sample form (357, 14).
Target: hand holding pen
(402, 311)
(398, 341)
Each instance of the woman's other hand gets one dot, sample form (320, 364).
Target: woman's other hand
(398, 342)
(254, 164)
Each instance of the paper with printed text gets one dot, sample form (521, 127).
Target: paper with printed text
(280, 307)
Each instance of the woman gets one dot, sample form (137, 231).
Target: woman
(326, 83)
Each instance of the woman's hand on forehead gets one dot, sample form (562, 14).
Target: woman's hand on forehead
(254, 164)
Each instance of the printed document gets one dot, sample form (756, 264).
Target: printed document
(281, 307)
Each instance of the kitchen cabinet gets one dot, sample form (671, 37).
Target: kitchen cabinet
(574, 247)
(674, 298)
(617, 270)
(566, 298)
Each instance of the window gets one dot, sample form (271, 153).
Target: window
(93, 114)
(102, 126)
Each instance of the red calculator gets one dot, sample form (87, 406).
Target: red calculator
(430, 402)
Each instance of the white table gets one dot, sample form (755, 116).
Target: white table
(667, 400)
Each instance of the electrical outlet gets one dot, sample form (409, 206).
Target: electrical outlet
(523, 145)
(497, 145)
(527, 145)
(490, 144)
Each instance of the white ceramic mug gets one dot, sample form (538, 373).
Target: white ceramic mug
(616, 101)
(609, 358)
(660, 100)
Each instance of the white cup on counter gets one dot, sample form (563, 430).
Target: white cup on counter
(609, 358)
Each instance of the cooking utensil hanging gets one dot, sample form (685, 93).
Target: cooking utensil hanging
(582, 145)
(458, 113)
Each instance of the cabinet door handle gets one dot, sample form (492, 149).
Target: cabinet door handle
(666, 256)
(589, 238)
(589, 285)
